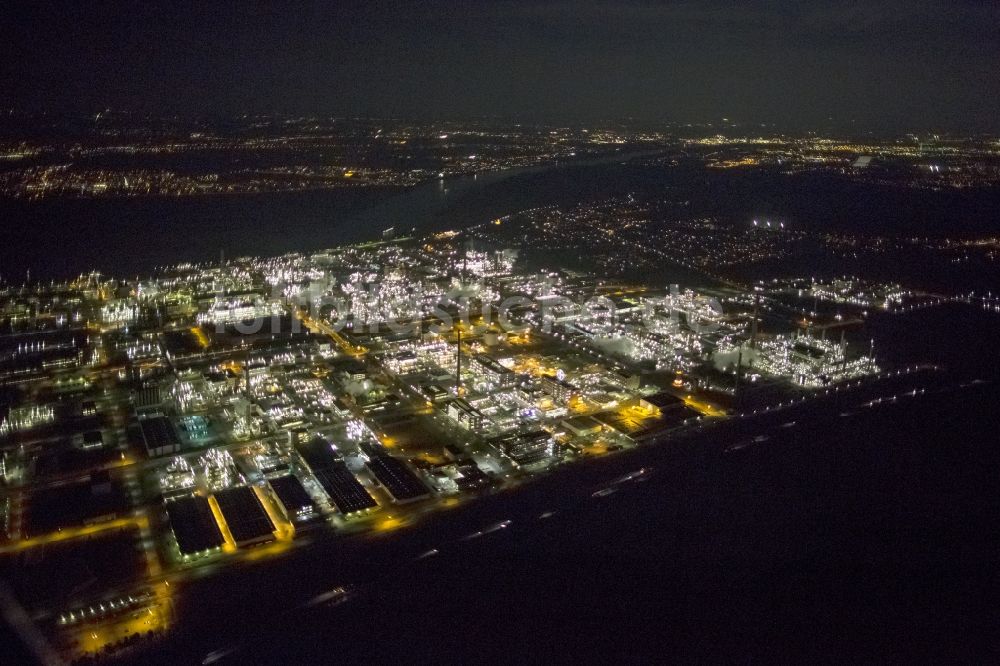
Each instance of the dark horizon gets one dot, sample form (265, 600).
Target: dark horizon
(23, 123)
(887, 65)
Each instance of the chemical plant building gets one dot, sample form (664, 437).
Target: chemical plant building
(245, 516)
(295, 501)
(646, 417)
(495, 373)
(528, 448)
(559, 389)
(332, 474)
(804, 359)
(347, 494)
(394, 475)
(582, 426)
(159, 436)
(193, 525)
(467, 416)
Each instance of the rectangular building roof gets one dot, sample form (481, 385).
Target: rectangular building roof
(347, 494)
(490, 364)
(664, 400)
(291, 494)
(158, 432)
(397, 478)
(193, 525)
(470, 476)
(318, 453)
(244, 514)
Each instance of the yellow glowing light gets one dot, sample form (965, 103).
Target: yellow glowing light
(267, 550)
(73, 533)
(283, 530)
(200, 336)
(703, 407)
(389, 523)
(230, 543)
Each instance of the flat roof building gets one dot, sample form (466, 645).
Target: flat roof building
(397, 478)
(159, 436)
(495, 373)
(295, 501)
(345, 491)
(559, 389)
(245, 516)
(193, 525)
(337, 481)
(467, 415)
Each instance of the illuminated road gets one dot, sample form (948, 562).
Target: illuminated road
(703, 407)
(317, 326)
(74, 533)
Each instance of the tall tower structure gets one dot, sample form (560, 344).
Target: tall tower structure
(458, 371)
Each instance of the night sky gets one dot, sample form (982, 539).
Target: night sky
(903, 65)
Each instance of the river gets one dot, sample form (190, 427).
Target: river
(62, 238)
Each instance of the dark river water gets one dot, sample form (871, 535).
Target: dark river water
(125, 237)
